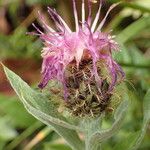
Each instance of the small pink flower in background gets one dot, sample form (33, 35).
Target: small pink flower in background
(87, 46)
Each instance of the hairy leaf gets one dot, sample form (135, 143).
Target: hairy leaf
(43, 109)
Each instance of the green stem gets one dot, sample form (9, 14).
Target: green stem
(38, 138)
(92, 126)
(23, 136)
(95, 145)
(86, 142)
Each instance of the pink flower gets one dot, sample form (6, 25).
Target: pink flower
(64, 46)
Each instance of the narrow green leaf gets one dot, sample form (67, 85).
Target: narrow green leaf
(123, 56)
(127, 142)
(44, 110)
(70, 136)
(146, 120)
(36, 101)
(133, 141)
(33, 142)
(133, 29)
(146, 106)
(127, 34)
(52, 146)
(23, 135)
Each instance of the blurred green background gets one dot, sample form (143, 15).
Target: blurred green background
(130, 21)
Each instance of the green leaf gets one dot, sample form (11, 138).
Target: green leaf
(133, 141)
(146, 107)
(136, 55)
(7, 132)
(70, 136)
(52, 146)
(123, 56)
(44, 109)
(127, 142)
(127, 34)
(11, 107)
(99, 137)
(28, 132)
(133, 29)
(146, 120)
(36, 102)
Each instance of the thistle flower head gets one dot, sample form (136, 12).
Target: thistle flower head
(81, 60)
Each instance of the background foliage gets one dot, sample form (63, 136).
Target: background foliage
(21, 52)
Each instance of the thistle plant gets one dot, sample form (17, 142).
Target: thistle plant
(81, 61)
(81, 82)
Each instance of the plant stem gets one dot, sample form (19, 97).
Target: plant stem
(92, 126)
(30, 18)
(23, 136)
(86, 142)
(91, 145)
(38, 138)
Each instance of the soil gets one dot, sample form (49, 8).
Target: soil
(27, 69)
